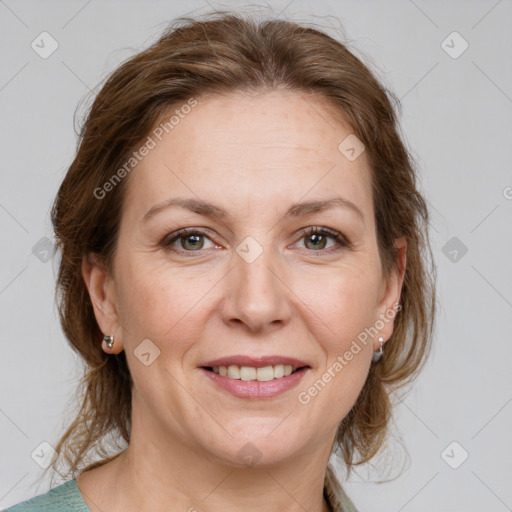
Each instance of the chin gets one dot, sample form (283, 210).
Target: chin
(262, 447)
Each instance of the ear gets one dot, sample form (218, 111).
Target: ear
(100, 286)
(390, 292)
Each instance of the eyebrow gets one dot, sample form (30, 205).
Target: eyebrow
(216, 212)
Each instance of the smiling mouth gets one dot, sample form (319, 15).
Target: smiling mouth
(251, 373)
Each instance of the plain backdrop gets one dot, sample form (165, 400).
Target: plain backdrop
(450, 63)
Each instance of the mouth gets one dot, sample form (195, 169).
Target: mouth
(255, 382)
(253, 373)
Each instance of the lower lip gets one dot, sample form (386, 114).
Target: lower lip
(254, 388)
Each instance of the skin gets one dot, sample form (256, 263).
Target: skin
(255, 156)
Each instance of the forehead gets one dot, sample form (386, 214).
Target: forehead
(252, 149)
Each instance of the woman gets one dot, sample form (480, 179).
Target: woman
(244, 271)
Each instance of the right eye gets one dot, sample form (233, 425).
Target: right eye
(190, 239)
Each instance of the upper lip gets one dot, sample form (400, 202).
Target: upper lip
(256, 362)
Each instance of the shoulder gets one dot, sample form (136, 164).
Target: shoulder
(63, 498)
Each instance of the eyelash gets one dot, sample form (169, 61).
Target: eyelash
(341, 241)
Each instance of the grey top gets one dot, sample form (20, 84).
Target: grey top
(67, 498)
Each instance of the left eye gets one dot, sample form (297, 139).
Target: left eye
(192, 240)
(319, 237)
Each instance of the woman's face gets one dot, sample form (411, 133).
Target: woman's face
(248, 280)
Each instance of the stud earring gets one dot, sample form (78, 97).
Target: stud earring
(378, 353)
(109, 341)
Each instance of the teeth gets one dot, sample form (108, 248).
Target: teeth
(265, 373)
(234, 373)
(247, 373)
(278, 371)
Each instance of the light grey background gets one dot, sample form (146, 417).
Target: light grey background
(456, 118)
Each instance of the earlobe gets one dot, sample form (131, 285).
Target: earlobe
(102, 294)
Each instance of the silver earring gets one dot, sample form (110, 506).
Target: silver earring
(109, 340)
(378, 353)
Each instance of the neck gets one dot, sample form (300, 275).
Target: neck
(159, 471)
(197, 482)
(148, 477)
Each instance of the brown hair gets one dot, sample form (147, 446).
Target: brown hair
(223, 53)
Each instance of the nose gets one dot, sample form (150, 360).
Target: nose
(256, 295)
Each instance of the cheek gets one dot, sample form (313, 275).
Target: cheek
(347, 307)
(157, 302)
(344, 299)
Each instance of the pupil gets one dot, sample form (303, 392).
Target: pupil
(317, 243)
(194, 237)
